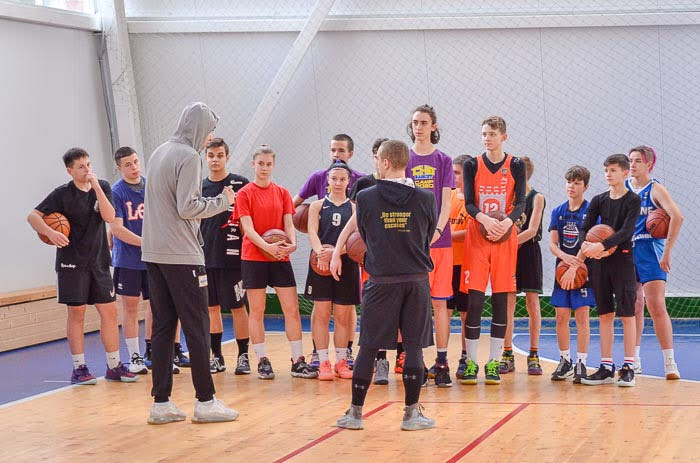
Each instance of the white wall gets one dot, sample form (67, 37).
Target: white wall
(51, 99)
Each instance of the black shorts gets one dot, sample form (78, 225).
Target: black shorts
(225, 288)
(260, 275)
(615, 276)
(130, 282)
(528, 271)
(459, 300)
(388, 307)
(344, 292)
(82, 286)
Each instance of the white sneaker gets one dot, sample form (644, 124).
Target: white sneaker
(671, 370)
(637, 365)
(165, 412)
(213, 411)
(136, 365)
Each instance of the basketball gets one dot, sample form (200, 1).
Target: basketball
(498, 215)
(314, 262)
(301, 218)
(273, 235)
(599, 233)
(657, 223)
(58, 222)
(581, 274)
(355, 247)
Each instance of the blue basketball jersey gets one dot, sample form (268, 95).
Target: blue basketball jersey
(129, 204)
(568, 224)
(648, 205)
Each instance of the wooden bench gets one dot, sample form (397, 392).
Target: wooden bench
(27, 295)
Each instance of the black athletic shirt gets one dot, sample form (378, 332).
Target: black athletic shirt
(88, 235)
(621, 214)
(527, 215)
(332, 220)
(362, 183)
(222, 239)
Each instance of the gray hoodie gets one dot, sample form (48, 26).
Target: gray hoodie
(174, 204)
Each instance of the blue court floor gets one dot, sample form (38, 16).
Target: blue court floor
(46, 367)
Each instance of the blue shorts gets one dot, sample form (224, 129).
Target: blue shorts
(647, 254)
(129, 282)
(572, 299)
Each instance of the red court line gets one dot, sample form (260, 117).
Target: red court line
(328, 435)
(594, 404)
(472, 445)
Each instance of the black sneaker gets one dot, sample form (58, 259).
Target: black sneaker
(181, 359)
(243, 366)
(442, 375)
(265, 369)
(602, 376)
(579, 372)
(564, 370)
(626, 376)
(300, 369)
(217, 364)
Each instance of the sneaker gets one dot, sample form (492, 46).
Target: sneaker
(82, 376)
(217, 365)
(315, 363)
(533, 366)
(414, 420)
(342, 369)
(442, 375)
(181, 359)
(398, 368)
(461, 367)
(349, 359)
(265, 369)
(120, 373)
(431, 372)
(470, 372)
(563, 371)
(626, 376)
(602, 376)
(671, 370)
(491, 372)
(507, 364)
(352, 418)
(243, 365)
(301, 370)
(638, 365)
(381, 376)
(579, 372)
(426, 375)
(136, 365)
(165, 412)
(176, 369)
(325, 372)
(213, 411)
(147, 358)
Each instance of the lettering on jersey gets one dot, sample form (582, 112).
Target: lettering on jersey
(230, 237)
(396, 220)
(646, 210)
(233, 252)
(459, 220)
(424, 176)
(134, 214)
(466, 277)
(67, 265)
(96, 206)
(570, 233)
(238, 289)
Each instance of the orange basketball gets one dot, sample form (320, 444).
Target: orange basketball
(301, 217)
(498, 215)
(273, 235)
(581, 274)
(58, 222)
(355, 247)
(314, 262)
(599, 233)
(657, 223)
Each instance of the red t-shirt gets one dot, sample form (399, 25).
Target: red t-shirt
(266, 207)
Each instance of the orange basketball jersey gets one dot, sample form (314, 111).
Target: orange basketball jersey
(494, 192)
(458, 222)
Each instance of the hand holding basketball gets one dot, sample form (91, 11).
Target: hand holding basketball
(496, 226)
(571, 276)
(593, 246)
(60, 230)
(320, 262)
(277, 244)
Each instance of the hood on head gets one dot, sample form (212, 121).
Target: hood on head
(196, 122)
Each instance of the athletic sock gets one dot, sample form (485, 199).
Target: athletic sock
(637, 350)
(132, 344)
(399, 348)
(668, 355)
(441, 356)
(359, 390)
(607, 362)
(112, 359)
(78, 359)
(242, 345)
(350, 345)
(259, 350)
(412, 383)
(322, 355)
(472, 349)
(381, 354)
(340, 353)
(629, 361)
(216, 344)
(297, 349)
(582, 357)
(496, 348)
(314, 344)
(533, 351)
(566, 354)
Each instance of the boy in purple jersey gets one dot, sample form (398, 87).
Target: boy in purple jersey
(431, 169)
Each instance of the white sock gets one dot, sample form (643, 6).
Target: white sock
(566, 354)
(133, 345)
(112, 359)
(668, 355)
(582, 357)
(78, 359)
(297, 349)
(472, 349)
(259, 350)
(496, 348)
(636, 351)
(340, 353)
(322, 355)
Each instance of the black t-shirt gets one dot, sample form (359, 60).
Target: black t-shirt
(620, 213)
(362, 183)
(88, 235)
(222, 238)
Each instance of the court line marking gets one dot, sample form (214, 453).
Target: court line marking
(485, 435)
(330, 434)
(595, 404)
